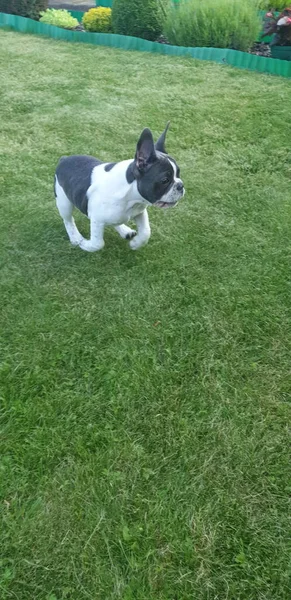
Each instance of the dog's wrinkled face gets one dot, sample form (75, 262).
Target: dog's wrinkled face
(158, 175)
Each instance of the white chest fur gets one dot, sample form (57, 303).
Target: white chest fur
(111, 197)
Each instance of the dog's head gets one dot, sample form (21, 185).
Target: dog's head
(156, 173)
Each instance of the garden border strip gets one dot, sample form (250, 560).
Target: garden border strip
(242, 60)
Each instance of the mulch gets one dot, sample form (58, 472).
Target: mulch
(261, 49)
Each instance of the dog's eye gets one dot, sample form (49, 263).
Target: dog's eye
(165, 180)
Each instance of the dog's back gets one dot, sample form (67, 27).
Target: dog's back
(74, 175)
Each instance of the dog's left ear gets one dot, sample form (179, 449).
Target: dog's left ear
(145, 150)
(160, 145)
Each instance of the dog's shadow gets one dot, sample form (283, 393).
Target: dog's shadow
(49, 250)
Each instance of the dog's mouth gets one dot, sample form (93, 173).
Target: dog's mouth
(161, 204)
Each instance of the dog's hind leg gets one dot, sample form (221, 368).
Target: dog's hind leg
(65, 208)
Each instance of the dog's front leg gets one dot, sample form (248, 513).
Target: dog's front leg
(96, 241)
(143, 231)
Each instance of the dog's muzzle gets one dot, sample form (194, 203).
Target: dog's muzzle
(172, 199)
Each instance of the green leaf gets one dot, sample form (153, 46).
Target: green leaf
(126, 534)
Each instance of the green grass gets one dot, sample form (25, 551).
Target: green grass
(145, 396)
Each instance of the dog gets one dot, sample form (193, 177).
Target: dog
(114, 193)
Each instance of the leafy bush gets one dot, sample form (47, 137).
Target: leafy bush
(213, 23)
(23, 8)
(280, 26)
(59, 18)
(98, 20)
(139, 18)
(272, 4)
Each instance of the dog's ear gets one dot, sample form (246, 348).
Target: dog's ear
(145, 150)
(160, 145)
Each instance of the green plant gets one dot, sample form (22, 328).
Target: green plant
(279, 27)
(271, 4)
(213, 23)
(139, 18)
(23, 8)
(98, 20)
(59, 18)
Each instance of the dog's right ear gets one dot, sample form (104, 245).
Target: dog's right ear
(160, 145)
(145, 150)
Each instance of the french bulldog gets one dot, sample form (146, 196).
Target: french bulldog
(115, 193)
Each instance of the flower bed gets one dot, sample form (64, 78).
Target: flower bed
(225, 56)
(260, 47)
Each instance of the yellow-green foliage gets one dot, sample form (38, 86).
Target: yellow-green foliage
(98, 20)
(59, 18)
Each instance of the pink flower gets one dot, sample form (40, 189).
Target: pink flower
(269, 14)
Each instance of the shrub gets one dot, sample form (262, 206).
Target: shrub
(23, 8)
(213, 23)
(272, 4)
(279, 26)
(98, 20)
(59, 18)
(139, 18)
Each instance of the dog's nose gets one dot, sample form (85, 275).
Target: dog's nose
(180, 186)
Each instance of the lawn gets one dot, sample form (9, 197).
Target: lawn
(145, 396)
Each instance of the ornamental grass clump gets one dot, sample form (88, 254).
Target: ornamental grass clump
(213, 23)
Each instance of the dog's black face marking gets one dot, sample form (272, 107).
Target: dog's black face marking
(157, 180)
(110, 166)
(156, 174)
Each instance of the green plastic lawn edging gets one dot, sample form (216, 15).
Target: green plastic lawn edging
(242, 60)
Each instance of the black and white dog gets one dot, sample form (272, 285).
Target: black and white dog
(114, 193)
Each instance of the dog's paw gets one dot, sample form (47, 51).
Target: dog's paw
(76, 239)
(137, 243)
(90, 246)
(125, 232)
(131, 234)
